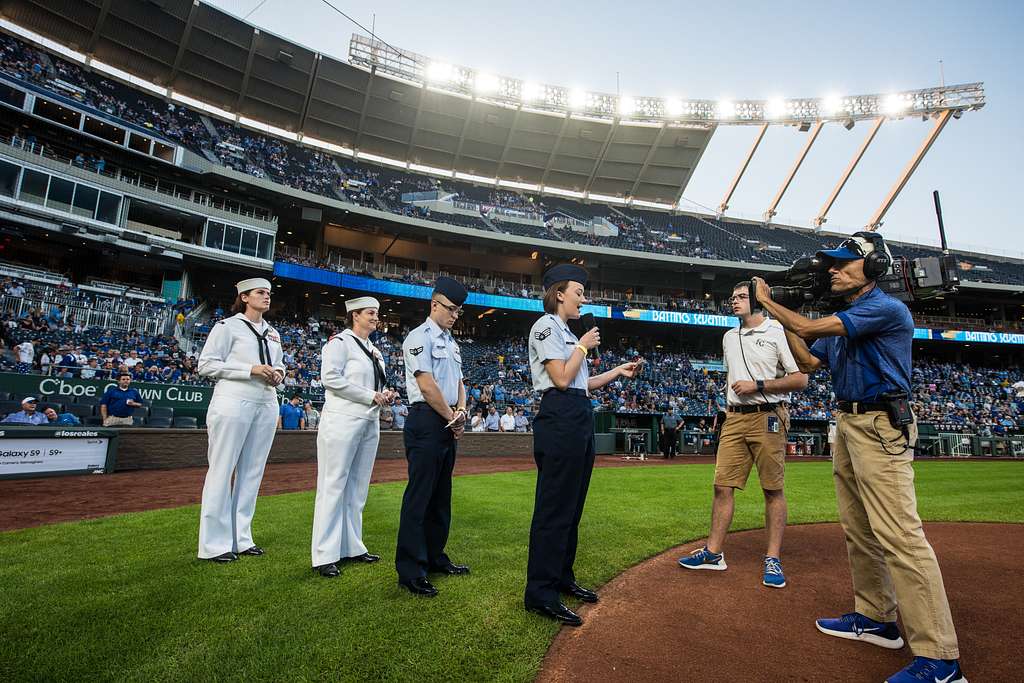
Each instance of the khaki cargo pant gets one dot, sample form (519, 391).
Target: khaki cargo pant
(892, 563)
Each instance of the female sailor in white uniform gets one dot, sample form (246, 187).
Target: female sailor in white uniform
(243, 353)
(353, 374)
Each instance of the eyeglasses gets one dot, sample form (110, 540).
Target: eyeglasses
(739, 297)
(453, 309)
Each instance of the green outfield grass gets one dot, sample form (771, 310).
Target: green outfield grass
(123, 597)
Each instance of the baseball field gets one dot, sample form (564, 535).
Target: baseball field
(123, 597)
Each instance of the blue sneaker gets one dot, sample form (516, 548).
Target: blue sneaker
(704, 559)
(856, 626)
(773, 576)
(931, 670)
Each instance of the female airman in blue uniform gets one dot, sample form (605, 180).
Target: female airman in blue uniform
(563, 442)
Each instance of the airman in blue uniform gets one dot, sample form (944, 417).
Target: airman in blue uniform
(436, 421)
(563, 442)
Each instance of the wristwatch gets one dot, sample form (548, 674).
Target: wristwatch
(760, 385)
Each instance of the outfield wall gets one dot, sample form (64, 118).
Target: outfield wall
(146, 449)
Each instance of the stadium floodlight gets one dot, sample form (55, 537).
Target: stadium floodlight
(532, 92)
(370, 53)
(577, 99)
(674, 107)
(486, 84)
(439, 72)
(894, 104)
(831, 105)
(775, 108)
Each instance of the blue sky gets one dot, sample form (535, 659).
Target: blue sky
(740, 50)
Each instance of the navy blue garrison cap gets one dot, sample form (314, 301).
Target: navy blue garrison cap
(565, 271)
(451, 288)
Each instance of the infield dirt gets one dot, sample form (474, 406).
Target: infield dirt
(660, 622)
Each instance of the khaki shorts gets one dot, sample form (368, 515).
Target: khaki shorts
(746, 441)
(112, 421)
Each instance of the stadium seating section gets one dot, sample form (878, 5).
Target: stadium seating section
(40, 307)
(497, 371)
(381, 187)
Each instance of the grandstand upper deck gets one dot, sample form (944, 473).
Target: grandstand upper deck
(356, 185)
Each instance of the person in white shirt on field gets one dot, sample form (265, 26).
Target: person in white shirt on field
(243, 353)
(761, 374)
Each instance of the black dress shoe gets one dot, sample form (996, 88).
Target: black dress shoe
(328, 571)
(255, 551)
(579, 593)
(223, 557)
(419, 586)
(558, 612)
(451, 569)
(365, 557)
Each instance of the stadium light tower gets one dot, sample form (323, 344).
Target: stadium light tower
(486, 84)
(725, 109)
(439, 72)
(809, 114)
(532, 92)
(775, 108)
(858, 155)
(577, 99)
(832, 105)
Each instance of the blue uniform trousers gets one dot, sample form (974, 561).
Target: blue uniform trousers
(563, 448)
(427, 503)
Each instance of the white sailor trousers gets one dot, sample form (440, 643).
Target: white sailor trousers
(346, 447)
(240, 433)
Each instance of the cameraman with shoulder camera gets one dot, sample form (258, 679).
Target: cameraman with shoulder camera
(867, 346)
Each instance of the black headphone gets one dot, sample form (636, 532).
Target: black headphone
(755, 304)
(877, 261)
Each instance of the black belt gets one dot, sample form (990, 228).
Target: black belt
(861, 407)
(755, 408)
(571, 392)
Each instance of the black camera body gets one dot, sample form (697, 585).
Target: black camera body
(807, 282)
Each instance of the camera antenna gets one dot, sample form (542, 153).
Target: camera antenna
(942, 228)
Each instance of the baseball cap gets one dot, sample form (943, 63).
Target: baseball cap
(28, 399)
(851, 249)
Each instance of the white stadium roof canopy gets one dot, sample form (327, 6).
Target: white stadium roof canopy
(394, 104)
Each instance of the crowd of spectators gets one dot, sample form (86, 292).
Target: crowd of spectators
(680, 301)
(71, 81)
(322, 173)
(987, 400)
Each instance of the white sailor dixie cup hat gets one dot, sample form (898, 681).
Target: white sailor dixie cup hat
(252, 283)
(361, 302)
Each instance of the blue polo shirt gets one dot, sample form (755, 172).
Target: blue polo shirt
(116, 401)
(874, 356)
(290, 415)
